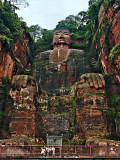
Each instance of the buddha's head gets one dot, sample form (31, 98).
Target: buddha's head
(61, 37)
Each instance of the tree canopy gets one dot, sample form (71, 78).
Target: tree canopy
(11, 27)
(16, 4)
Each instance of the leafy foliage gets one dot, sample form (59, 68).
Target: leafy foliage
(44, 42)
(6, 81)
(35, 31)
(16, 4)
(113, 52)
(75, 142)
(10, 28)
(114, 100)
(72, 119)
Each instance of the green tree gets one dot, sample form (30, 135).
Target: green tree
(71, 22)
(45, 41)
(17, 3)
(11, 21)
(35, 31)
(0, 3)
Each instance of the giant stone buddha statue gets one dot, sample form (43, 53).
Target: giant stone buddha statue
(58, 69)
(64, 73)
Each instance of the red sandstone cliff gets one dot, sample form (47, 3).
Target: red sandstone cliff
(16, 60)
(113, 22)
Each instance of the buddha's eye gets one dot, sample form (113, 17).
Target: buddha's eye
(65, 33)
(58, 33)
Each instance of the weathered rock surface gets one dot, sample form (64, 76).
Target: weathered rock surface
(20, 108)
(56, 71)
(92, 111)
(113, 17)
(17, 60)
(110, 65)
(6, 65)
(58, 78)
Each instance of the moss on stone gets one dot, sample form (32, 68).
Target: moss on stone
(115, 50)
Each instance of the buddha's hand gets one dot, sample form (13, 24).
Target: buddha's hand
(95, 80)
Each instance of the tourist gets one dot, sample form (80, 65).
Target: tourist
(43, 151)
(47, 151)
(50, 150)
(53, 150)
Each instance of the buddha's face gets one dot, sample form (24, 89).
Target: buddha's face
(61, 37)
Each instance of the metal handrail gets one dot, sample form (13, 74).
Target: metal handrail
(65, 150)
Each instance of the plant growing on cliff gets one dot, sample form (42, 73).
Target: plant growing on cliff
(72, 119)
(6, 81)
(75, 142)
(115, 100)
(113, 52)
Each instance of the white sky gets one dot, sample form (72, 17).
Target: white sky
(47, 13)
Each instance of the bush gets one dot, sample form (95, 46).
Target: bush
(6, 80)
(115, 100)
(113, 52)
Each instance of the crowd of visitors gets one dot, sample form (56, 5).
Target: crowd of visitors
(48, 151)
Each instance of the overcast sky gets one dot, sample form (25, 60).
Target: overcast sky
(47, 13)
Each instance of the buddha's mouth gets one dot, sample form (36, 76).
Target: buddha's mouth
(62, 40)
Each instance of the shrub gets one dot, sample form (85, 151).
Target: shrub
(113, 52)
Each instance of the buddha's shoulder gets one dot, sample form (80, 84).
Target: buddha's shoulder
(77, 51)
(72, 52)
(44, 54)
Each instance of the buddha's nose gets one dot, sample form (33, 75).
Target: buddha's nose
(62, 36)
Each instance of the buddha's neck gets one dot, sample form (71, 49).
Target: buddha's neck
(61, 46)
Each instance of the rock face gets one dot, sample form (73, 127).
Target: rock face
(56, 124)
(92, 112)
(21, 107)
(6, 65)
(113, 22)
(110, 56)
(17, 60)
(13, 61)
